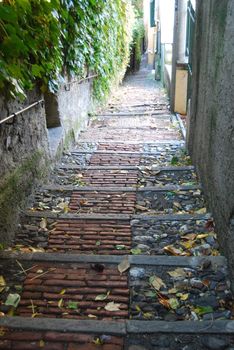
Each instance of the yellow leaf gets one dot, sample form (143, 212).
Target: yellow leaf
(201, 211)
(179, 272)
(148, 315)
(124, 265)
(182, 296)
(173, 251)
(43, 223)
(190, 236)
(156, 282)
(60, 303)
(2, 284)
(41, 344)
(172, 291)
(188, 244)
(2, 331)
(63, 291)
(203, 235)
(11, 311)
(174, 304)
(137, 307)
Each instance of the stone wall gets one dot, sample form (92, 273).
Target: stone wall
(211, 134)
(67, 113)
(24, 155)
(29, 140)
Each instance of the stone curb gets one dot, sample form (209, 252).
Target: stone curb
(118, 328)
(155, 143)
(126, 167)
(68, 188)
(64, 326)
(158, 114)
(143, 260)
(126, 217)
(182, 327)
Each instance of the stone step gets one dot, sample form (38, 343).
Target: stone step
(222, 327)
(139, 260)
(126, 167)
(96, 216)
(55, 334)
(166, 188)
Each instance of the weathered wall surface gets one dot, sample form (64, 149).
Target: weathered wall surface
(23, 157)
(211, 135)
(67, 113)
(33, 138)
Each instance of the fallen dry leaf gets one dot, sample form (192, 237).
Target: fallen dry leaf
(2, 284)
(179, 272)
(43, 223)
(174, 251)
(112, 306)
(124, 265)
(156, 282)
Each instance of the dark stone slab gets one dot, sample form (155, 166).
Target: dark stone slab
(68, 326)
(189, 327)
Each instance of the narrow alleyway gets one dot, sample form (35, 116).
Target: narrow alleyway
(118, 251)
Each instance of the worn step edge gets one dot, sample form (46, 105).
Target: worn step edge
(68, 188)
(180, 327)
(126, 167)
(171, 142)
(134, 154)
(160, 114)
(166, 217)
(64, 326)
(160, 260)
(120, 328)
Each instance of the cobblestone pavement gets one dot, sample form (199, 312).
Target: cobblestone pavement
(118, 251)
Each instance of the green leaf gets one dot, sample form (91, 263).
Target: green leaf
(13, 300)
(136, 251)
(202, 310)
(120, 246)
(72, 305)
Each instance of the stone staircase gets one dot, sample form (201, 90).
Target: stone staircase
(118, 251)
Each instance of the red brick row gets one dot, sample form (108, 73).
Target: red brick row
(32, 340)
(88, 237)
(114, 159)
(70, 291)
(103, 202)
(110, 178)
(119, 147)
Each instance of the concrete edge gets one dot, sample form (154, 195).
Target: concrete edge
(157, 143)
(126, 167)
(64, 325)
(126, 327)
(123, 217)
(180, 327)
(143, 260)
(68, 188)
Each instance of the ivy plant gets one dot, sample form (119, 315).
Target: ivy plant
(41, 41)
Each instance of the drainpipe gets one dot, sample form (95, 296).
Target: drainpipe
(179, 42)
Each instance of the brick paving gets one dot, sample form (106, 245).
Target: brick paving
(127, 195)
(90, 237)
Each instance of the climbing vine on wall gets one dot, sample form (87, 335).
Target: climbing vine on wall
(42, 40)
